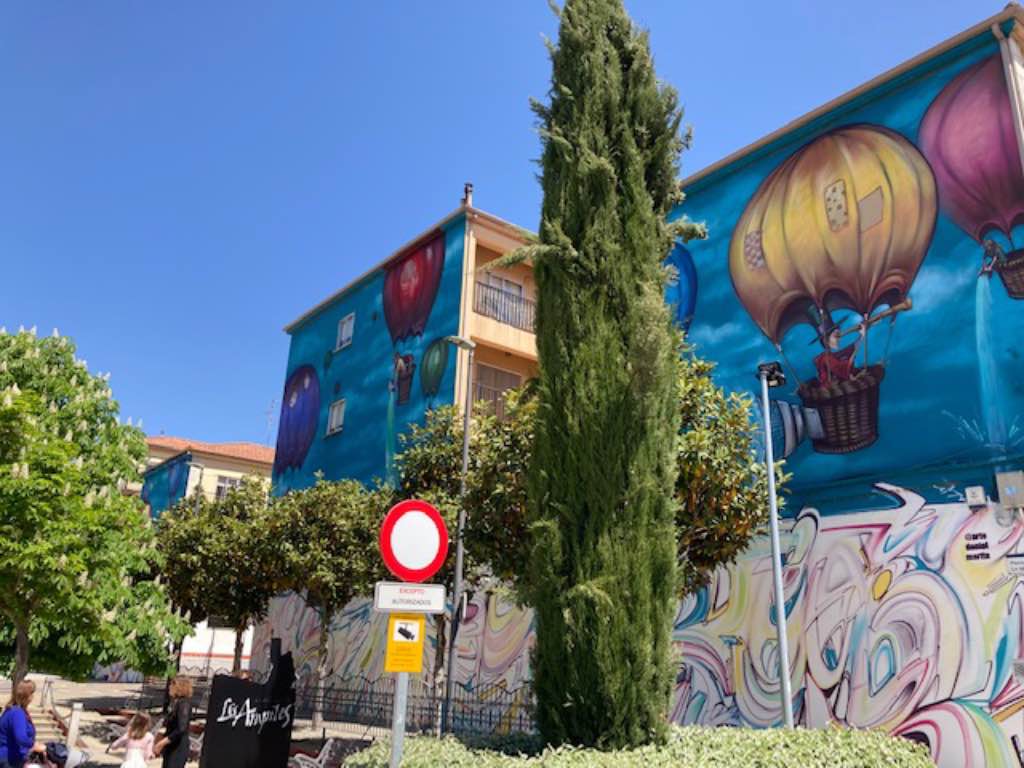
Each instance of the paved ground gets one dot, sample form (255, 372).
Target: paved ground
(96, 696)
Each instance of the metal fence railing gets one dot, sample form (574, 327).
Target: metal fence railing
(505, 307)
(482, 710)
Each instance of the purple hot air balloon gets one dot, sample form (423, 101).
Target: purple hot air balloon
(300, 410)
(968, 137)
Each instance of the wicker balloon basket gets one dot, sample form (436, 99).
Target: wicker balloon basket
(1011, 272)
(848, 410)
(405, 372)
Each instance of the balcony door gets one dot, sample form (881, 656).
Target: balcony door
(491, 384)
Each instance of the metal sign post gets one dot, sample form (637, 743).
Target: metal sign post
(414, 544)
(398, 718)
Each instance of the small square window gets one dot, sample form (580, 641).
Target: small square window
(346, 326)
(225, 484)
(336, 417)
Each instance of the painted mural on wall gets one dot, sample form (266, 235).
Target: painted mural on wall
(904, 619)
(492, 647)
(300, 412)
(861, 252)
(164, 485)
(969, 137)
(900, 618)
(842, 224)
(410, 288)
(681, 286)
(378, 347)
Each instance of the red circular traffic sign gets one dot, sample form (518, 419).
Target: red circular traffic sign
(413, 540)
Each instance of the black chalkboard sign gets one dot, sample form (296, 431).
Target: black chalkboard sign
(249, 725)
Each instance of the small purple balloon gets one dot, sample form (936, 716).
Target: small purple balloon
(300, 411)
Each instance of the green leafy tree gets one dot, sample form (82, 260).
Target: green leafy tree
(219, 562)
(722, 486)
(430, 468)
(496, 526)
(328, 535)
(603, 575)
(76, 553)
(182, 533)
(721, 498)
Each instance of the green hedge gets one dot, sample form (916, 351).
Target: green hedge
(693, 747)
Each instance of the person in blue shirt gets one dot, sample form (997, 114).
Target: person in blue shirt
(17, 733)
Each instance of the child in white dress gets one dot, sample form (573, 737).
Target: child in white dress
(137, 742)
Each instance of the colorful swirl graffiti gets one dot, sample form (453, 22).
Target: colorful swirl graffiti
(896, 620)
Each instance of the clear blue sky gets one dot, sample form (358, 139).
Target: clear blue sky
(180, 180)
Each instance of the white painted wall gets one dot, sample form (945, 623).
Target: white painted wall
(209, 649)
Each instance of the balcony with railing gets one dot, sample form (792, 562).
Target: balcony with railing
(505, 307)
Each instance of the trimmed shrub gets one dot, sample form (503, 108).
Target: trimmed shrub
(693, 747)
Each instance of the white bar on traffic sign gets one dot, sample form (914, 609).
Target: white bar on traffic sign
(399, 597)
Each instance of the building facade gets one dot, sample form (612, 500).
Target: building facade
(373, 358)
(176, 469)
(875, 249)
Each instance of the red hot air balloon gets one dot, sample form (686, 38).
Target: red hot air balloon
(410, 287)
(968, 137)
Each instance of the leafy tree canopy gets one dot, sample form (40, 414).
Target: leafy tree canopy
(76, 552)
(219, 562)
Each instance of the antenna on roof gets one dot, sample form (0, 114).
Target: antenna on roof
(270, 420)
(467, 194)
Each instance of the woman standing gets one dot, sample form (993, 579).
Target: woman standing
(17, 732)
(174, 746)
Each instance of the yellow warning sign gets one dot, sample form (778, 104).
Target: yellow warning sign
(405, 642)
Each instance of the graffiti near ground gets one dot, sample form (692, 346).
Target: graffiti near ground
(904, 619)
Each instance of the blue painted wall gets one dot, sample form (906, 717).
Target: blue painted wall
(951, 404)
(364, 375)
(164, 485)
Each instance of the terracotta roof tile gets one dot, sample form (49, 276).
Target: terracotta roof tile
(242, 451)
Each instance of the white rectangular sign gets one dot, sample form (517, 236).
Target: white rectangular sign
(1015, 564)
(399, 597)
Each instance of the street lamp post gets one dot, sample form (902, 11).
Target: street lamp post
(771, 375)
(449, 687)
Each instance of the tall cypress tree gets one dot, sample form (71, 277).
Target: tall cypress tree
(603, 569)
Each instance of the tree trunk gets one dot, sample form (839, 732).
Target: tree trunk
(439, 672)
(236, 665)
(321, 666)
(177, 669)
(21, 652)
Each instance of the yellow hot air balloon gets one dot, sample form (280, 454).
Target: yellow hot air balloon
(843, 223)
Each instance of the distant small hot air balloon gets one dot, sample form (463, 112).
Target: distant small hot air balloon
(843, 223)
(300, 412)
(432, 367)
(968, 136)
(681, 289)
(410, 287)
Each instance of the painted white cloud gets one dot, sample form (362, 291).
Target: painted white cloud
(935, 286)
(704, 334)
